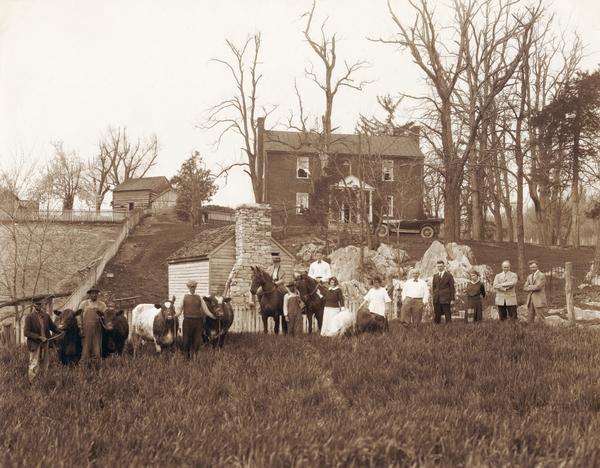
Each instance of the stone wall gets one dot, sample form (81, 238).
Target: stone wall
(252, 248)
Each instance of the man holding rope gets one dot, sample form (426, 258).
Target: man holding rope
(38, 328)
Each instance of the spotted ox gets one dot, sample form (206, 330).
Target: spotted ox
(115, 330)
(69, 344)
(156, 323)
(216, 329)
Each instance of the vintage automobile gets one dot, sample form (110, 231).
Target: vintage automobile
(426, 228)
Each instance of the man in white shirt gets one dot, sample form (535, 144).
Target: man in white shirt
(415, 296)
(319, 269)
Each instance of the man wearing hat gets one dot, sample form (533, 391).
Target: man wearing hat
(90, 327)
(38, 326)
(194, 311)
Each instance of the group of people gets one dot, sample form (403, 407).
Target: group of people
(39, 327)
(415, 294)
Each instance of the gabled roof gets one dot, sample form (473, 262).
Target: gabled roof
(154, 184)
(353, 182)
(386, 145)
(206, 242)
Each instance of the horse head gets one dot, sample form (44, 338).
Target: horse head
(259, 278)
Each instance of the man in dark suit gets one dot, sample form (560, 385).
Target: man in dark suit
(38, 328)
(443, 293)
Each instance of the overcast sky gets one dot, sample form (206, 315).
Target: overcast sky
(68, 69)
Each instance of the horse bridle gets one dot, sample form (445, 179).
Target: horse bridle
(310, 294)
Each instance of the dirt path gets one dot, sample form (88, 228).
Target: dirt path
(140, 266)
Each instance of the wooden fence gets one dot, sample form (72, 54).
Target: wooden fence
(66, 216)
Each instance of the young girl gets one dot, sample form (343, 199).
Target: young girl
(474, 295)
(334, 302)
(292, 309)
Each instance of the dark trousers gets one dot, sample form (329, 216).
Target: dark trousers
(439, 309)
(505, 311)
(192, 329)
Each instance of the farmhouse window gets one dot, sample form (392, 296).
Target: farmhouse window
(301, 202)
(387, 169)
(346, 167)
(389, 206)
(302, 167)
(346, 213)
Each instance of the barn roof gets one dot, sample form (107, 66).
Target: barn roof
(384, 145)
(206, 242)
(154, 184)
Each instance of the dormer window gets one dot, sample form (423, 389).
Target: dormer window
(302, 167)
(387, 169)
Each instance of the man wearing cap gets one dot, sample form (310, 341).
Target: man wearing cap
(90, 327)
(38, 326)
(194, 311)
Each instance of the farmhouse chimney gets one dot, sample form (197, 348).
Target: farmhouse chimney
(252, 248)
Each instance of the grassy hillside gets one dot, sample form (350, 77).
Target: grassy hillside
(61, 249)
(495, 394)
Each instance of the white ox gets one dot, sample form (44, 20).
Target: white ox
(156, 323)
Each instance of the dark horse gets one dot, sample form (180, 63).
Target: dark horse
(308, 287)
(271, 299)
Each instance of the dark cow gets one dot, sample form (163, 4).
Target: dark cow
(156, 323)
(369, 322)
(69, 344)
(216, 329)
(115, 331)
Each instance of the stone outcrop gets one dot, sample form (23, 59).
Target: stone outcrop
(306, 254)
(459, 259)
(345, 263)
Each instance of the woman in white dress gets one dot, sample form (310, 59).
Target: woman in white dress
(334, 303)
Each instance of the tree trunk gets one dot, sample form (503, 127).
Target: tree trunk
(597, 250)
(451, 207)
(575, 192)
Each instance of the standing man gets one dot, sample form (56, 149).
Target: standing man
(506, 295)
(320, 269)
(535, 284)
(443, 293)
(38, 326)
(90, 327)
(194, 311)
(415, 296)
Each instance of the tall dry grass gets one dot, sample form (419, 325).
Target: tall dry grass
(494, 394)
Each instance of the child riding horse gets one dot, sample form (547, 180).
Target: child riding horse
(271, 299)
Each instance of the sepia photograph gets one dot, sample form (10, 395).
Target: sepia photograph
(310, 233)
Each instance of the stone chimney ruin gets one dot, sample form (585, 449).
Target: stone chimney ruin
(252, 247)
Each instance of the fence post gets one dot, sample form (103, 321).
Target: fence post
(569, 291)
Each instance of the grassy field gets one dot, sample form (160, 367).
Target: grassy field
(495, 394)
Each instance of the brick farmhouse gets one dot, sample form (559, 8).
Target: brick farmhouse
(387, 169)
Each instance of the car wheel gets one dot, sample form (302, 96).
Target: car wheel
(427, 232)
(383, 231)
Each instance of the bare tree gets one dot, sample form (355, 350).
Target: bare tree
(64, 175)
(444, 68)
(325, 49)
(119, 158)
(238, 114)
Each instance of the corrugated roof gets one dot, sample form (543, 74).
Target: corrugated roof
(204, 243)
(291, 142)
(155, 184)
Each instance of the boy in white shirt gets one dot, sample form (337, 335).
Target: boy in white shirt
(378, 303)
